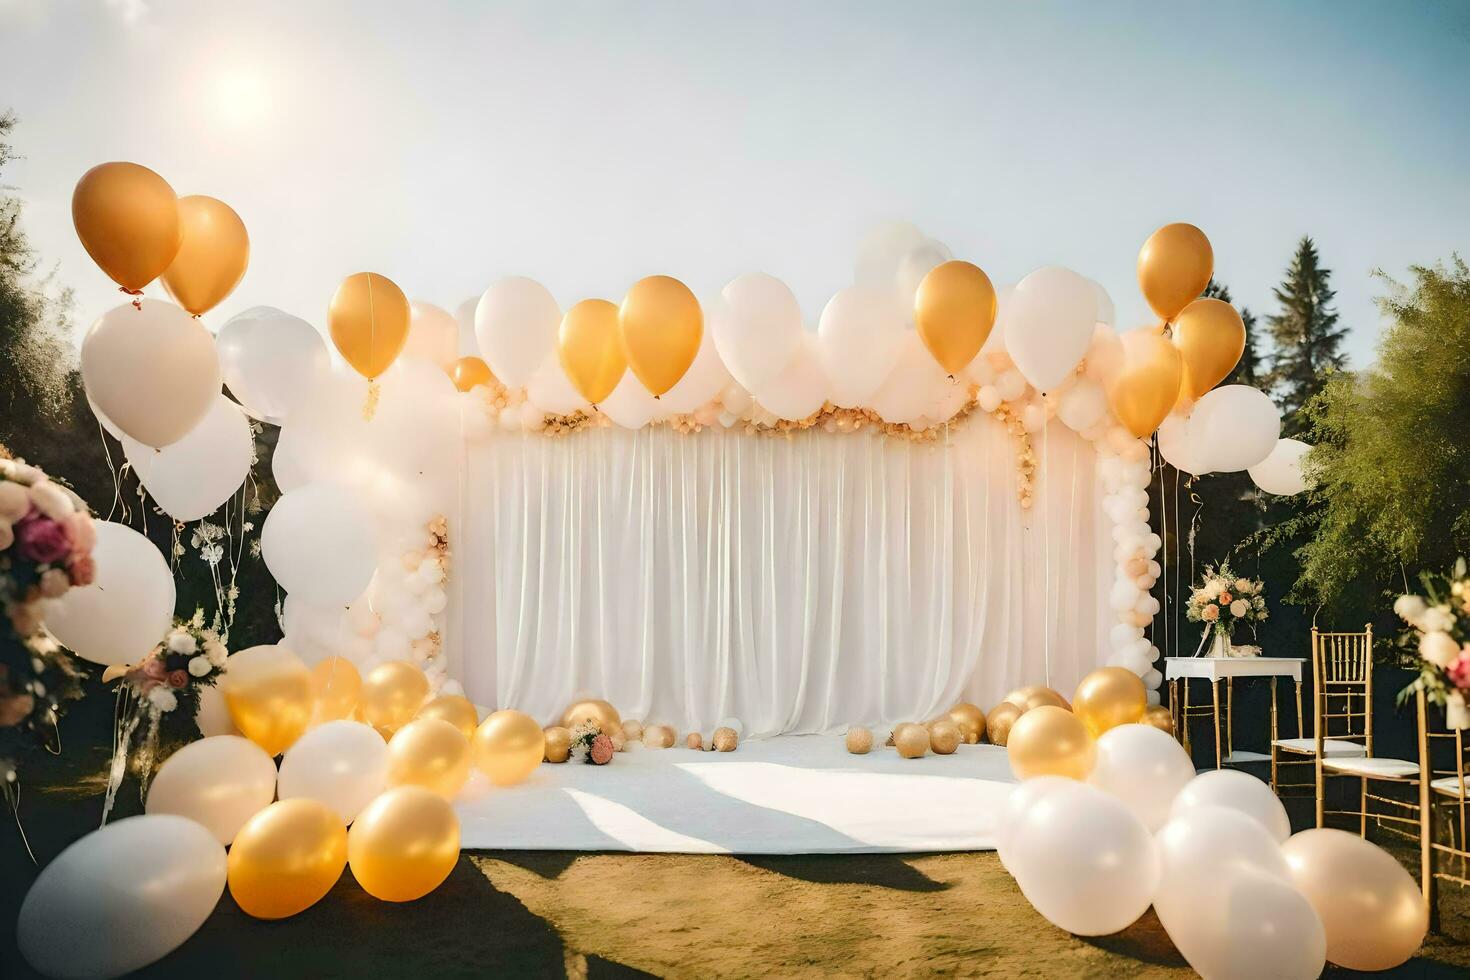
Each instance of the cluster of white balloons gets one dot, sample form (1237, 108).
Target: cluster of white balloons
(1214, 855)
(1234, 428)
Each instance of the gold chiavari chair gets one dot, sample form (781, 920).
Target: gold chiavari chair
(1442, 793)
(1292, 755)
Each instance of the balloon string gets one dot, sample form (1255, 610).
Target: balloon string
(1164, 543)
(370, 407)
(1046, 541)
(137, 295)
(116, 471)
(12, 795)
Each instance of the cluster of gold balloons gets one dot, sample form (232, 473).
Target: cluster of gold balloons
(1049, 737)
(1207, 336)
(137, 229)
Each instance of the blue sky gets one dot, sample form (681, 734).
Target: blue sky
(589, 144)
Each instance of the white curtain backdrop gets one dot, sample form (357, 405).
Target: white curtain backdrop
(798, 584)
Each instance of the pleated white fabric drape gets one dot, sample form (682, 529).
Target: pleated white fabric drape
(798, 584)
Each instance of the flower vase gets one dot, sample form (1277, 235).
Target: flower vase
(1221, 646)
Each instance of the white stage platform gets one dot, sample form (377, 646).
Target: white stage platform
(800, 794)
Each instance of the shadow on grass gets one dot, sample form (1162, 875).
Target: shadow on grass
(881, 870)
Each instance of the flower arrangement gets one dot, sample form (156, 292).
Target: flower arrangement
(1439, 624)
(591, 744)
(46, 541)
(170, 677)
(1223, 600)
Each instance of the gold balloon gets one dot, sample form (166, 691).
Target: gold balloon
(1210, 336)
(944, 736)
(1159, 717)
(1050, 741)
(508, 747)
(392, 693)
(1036, 695)
(128, 220)
(859, 740)
(954, 309)
(912, 741)
(286, 858)
(269, 694)
(430, 753)
(456, 710)
(368, 320)
(970, 720)
(1000, 721)
(212, 257)
(1109, 697)
(1146, 385)
(558, 744)
(661, 324)
(1174, 266)
(335, 686)
(591, 349)
(723, 740)
(602, 713)
(469, 372)
(1371, 910)
(404, 844)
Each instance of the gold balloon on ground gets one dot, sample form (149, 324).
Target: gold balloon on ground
(590, 349)
(286, 858)
(404, 844)
(1174, 266)
(1109, 697)
(335, 687)
(558, 744)
(954, 311)
(1034, 696)
(508, 746)
(1050, 741)
(603, 714)
(1159, 717)
(212, 256)
(127, 218)
(660, 324)
(431, 753)
(970, 720)
(944, 736)
(268, 692)
(368, 320)
(455, 709)
(392, 693)
(911, 740)
(1000, 721)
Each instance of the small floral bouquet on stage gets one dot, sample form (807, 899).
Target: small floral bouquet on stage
(1440, 634)
(1221, 601)
(591, 744)
(46, 540)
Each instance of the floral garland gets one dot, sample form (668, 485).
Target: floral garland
(46, 541)
(1439, 623)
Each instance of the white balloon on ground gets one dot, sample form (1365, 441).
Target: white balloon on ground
(317, 541)
(191, 478)
(757, 330)
(1049, 324)
(268, 360)
(551, 390)
(515, 323)
(882, 251)
(1238, 424)
(126, 610)
(1084, 861)
(121, 897)
(343, 764)
(1144, 768)
(706, 377)
(1180, 446)
(153, 371)
(800, 389)
(433, 335)
(1018, 802)
(1235, 790)
(858, 340)
(218, 782)
(912, 384)
(1281, 472)
(213, 716)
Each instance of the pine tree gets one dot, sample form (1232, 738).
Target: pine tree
(1306, 338)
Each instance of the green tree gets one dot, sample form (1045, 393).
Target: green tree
(1391, 461)
(1306, 338)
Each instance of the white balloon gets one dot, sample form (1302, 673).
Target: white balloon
(1144, 768)
(800, 389)
(343, 764)
(882, 251)
(1049, 324)
(1105, 310)
(858, 339)
(1239, 424)
(1084, 861)
(551, 390)
(515, 323)
(1104, 354)
(464, 316)
(1237, 791)
(1181, 447)
(1281, 472)
(153, 371)
(218, 782)
(1226, 899)
(911, 386)
(269, 360)
(128, 607)
(630, 405)
(121, 897)
(433, 335)
(213, 717)
(1018, 802)
(706, 377)
(1083, 405)
(917, 264)
(290, 464)
(757, 330)
(318, 543)
(191, 478)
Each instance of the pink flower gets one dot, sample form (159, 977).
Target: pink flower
(54, 583)
(601, 751)
(83, 533)
(177, 678)
(1210, 613)
(153, 668)
(1459, 671)
(1226, 598)
(83, 570)
(42, 540)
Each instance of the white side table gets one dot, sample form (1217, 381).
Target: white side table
(1225, 669)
